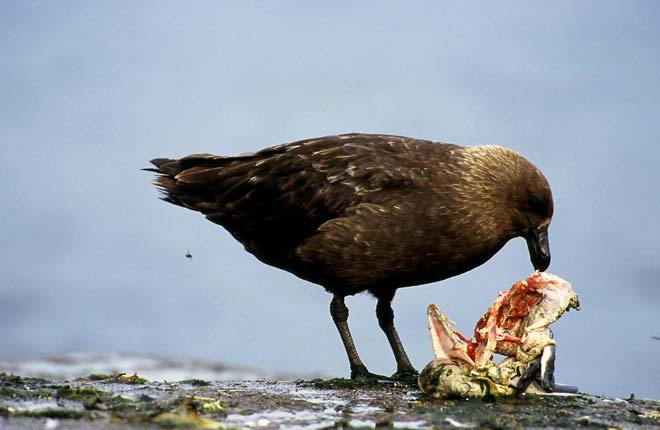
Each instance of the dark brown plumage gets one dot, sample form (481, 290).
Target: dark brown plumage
(361, 212)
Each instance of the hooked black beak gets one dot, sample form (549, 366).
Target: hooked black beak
(539, 248)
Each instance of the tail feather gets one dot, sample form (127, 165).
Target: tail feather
(166, 168)
(253, 193)
(195, 181)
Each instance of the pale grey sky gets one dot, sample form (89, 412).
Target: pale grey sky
(91, 260)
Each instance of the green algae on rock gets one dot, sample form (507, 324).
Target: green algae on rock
(303, 405)
(121, 378)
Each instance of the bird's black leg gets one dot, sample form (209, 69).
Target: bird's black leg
(339, 313)
(404, 370)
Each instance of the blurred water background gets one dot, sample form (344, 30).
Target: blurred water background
(91, 260)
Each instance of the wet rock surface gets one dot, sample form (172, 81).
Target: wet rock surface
(127, 401)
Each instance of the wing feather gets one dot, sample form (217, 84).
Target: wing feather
(289, 190)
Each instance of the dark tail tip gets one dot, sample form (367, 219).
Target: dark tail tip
(164, 166)
(160, 161)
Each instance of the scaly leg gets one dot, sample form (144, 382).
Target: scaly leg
(404, 370)
(339, 313)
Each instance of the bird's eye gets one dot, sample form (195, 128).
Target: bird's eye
(537, 205)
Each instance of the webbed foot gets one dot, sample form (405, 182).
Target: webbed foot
(360, 373)
(406, 376)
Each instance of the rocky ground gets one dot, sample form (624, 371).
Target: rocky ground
(101, 401)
